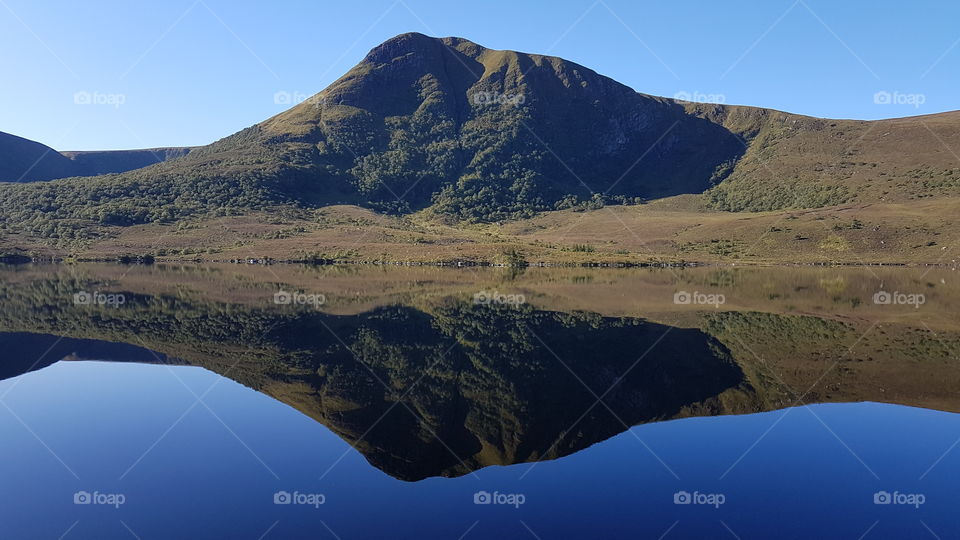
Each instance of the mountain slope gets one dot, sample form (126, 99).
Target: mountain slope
(795, 161)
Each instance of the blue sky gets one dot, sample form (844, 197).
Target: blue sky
(188, 72)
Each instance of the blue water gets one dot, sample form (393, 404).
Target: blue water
(187, 469)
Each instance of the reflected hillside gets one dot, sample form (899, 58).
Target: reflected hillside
(24, 352)
(425, 382)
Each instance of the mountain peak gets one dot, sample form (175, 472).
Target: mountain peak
(402, 45)
(409, 37)
(417, 43)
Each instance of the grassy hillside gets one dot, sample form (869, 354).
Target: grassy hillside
(668, 230)
(796, 161)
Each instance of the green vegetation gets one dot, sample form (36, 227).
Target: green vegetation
(790, 332)
(751, 196)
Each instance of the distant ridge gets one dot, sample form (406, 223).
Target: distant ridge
(94, 162)
(23, 160)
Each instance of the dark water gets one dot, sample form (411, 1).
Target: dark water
(167, 402)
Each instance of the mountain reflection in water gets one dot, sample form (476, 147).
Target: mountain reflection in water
(430, 383)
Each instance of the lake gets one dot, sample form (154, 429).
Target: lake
(254, 401)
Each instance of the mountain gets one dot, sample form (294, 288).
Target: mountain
(23, 160)
(471, 134)
(479, 132)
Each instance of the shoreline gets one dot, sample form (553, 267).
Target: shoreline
(455, 263)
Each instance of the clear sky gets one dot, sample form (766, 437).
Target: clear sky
(115, 74)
